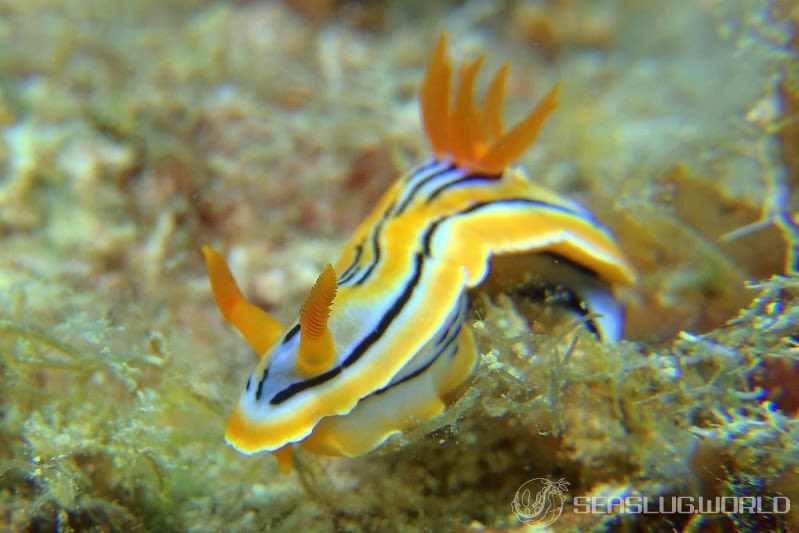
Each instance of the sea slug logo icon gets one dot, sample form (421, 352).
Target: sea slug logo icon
(539, 501)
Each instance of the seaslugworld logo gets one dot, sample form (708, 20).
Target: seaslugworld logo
(540, 502)
(681, 505)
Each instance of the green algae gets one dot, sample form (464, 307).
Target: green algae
(103, 433)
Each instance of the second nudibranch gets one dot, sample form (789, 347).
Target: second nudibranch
(382, 338)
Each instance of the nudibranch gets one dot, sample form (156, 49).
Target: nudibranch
(382, 338)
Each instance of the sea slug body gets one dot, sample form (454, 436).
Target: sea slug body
(382, 337)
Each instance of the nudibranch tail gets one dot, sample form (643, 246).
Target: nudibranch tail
(317, 351)
(473, 138)
(259, 328)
